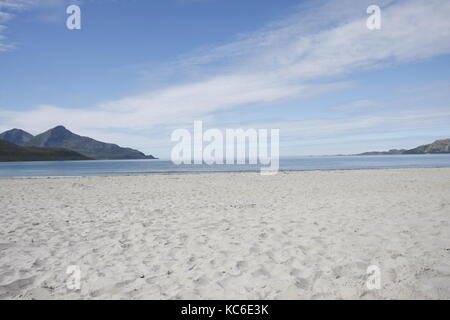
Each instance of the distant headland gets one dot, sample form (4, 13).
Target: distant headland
(439, 146)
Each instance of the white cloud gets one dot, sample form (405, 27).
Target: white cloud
(45, 10)
(355, 105)
(363, 124)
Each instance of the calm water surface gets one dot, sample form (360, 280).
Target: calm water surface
(129, 167)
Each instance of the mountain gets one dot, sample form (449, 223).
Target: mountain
(380, 153)
(439, 146)
(60, 137)
(16, 136)
(12, 152)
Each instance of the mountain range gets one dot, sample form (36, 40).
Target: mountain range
(439, 146)
(61, 144)
(60, 137)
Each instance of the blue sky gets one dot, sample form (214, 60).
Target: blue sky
(139, 69)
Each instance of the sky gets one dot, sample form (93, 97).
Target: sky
(139, 69)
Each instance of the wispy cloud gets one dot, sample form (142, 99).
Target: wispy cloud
(45, 10)
(354, 105)
(313, 50)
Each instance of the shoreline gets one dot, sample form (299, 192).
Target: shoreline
(213, 172)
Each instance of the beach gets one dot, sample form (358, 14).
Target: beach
(293, 235)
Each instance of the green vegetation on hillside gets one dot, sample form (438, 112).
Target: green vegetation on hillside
(11, 152)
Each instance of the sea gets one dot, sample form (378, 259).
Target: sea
(139, 167)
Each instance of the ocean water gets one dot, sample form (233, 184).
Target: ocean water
(130, 167)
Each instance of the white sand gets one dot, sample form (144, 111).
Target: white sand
(228, 236)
